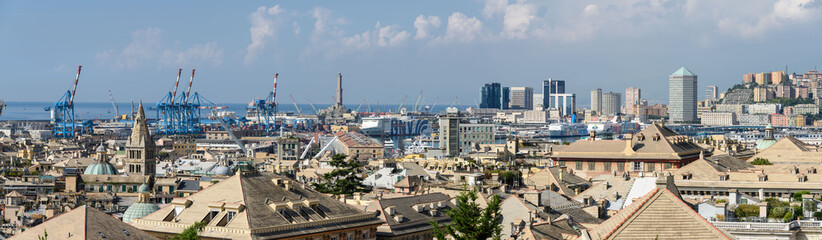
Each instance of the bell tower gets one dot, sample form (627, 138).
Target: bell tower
(140, 149)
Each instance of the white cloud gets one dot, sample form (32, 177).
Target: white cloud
(381, 36)
(461, 28)
(779, 14)
(208, 53)
(296, 27)
(143, 47)
(325, 24)
(517, 19)
(147, 48)
(262, 28)
(425, 25)
(590, 10)
(391, 37)
(493, 7)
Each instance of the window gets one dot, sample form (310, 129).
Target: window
(667, 165)
(578, 166)
(365, 234)
(607, 166)
(636, 166)
(592, 166)
(651, 167)
(349, 236)
(562, 163)
(620, 166)
(333, 238)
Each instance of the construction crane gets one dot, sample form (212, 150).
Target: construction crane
(358, 106)
(455, 101)
(215, 116)
(295, 105)
(436, 100)
(114, 104)
(367, 105)
(312, 106)
(401, 103)
(418, 102)
(62, 115)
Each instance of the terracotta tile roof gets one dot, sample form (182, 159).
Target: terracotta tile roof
(657, 215)
(84, 223)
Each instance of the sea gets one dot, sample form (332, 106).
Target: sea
(103, 110)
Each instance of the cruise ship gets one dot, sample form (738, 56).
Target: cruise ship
(567, 130)
(394, 126)
(614, 127)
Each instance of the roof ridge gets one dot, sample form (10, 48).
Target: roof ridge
(702, 220)
(633, 211)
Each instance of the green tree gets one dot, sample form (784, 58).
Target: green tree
(190, 233)
(344, 179)
(746, 210)
(797, 196)
(761, 161)
(469, 221)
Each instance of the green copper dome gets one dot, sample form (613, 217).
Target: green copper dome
(143, 188)
(139, 210)
(103, 168)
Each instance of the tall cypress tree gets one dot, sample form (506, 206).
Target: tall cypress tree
(344, 179)
(469, 221)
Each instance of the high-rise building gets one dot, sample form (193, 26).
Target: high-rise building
(506, 98)
(682, 96)
(596, 100)
(522, 98)
(611, 103)
(763, 78)
(550, 87)
(632, 96)
(491, 96)
(565, 103)
(777, 77)
(712, 93)
(538, 100)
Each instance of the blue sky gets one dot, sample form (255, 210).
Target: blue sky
(389, 49)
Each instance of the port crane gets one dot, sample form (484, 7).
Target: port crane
(114, 104)
(266, 109)
(181, 114)
(417, 103)
(300, 112)
(62, 114)
(312, 106)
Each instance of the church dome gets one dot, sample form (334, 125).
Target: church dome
(222, 170)
(139, 210)
(101, 168)
(143, 188)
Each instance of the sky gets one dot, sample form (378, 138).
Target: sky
(387, 50)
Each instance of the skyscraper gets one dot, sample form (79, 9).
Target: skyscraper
(491, 96)
(565, 103)
(550, 87)
(682, 96)
(522, 98)
(632, 96)
(611, 103)
(506, 98)
(596, 100)
(712, 93)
